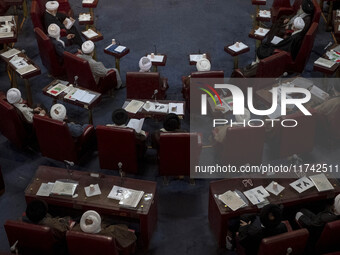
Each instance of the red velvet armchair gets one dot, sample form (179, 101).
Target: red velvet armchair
(329, 239)
(89, 244)
(116, 145)
(47, 53)
(76, 66)
(32, 239)
(56, 142)
(12, 126)
(141, 85)
(177, 151)
(276, 6)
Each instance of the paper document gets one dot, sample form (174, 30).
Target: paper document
(57, 89)
(232, 200)
(90, 33)
(10, 53)
(88, 1)
(126, 197)
(321, 182)
(136, 124)
(261, 31)
(275, 188)
(276, 40)
(176, 108)
(156, 58)
(6, 18)
(157, 107)
(18, 62)
(6, 34)
(238, 46)
(257, 195)
(195, 57)
(45, 189)
(26, 69)
(134, 106)
(92, 190)
(69, 23)
(85, 17)
(64, 188)
(324, 62)
(264, 14)
(319, 93)
(302, 184)
(120, 48)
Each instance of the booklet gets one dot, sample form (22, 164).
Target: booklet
(115, 48)
(134, 106)
(127, 197)
(232, 200)
(64, 188)
(136, 124)
(10, 53)
(321, 182)
(26, 69)
(69, 23)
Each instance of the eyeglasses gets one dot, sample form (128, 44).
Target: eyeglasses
(245, 182)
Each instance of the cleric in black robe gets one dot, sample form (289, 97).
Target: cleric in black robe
(52, 16)
(291, 44)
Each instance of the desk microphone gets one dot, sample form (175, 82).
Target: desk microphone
(329, 44)
(75, 80)
(14, 247)
(154, 94)
(121, 172)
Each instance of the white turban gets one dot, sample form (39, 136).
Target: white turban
(54, 30)
(337, 204)
(93, 228)
(87, 47)
(245, 117)
(58, 112)
(299, 24)
(13, 96)
(144, 64)
(203, 65)
(52, 5)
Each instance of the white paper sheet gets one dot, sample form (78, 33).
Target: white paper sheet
(90, 33)
(276, 40)
(302, 184)
(321, 182)
(85, 17)
(156, 58)
(120, 48)
(275, 190)
(134, 106)
(10, 53)
(263, 33)
(136, 124)
(240, 47)
(232, 200)
(195, 57)
(264, 14)
(45, 189)
(26, 69)
(176, 108)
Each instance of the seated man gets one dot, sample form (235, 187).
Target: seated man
(285, 23)
(145, 64)
(58, 112)
(120, 119)
(254, 228)
(202, 65)
(91, 223)
(52, 16)
(61, 44)
(14, 97)
(97, 68)
(316, 222)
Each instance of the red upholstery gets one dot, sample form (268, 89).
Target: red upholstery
(2, 183)
(3, 8)
(177, 151)
(12, 126)
(281, 244)
(233, 150)
(117, 145)
(329, 239)
(89, 244)
(56, 142)
(76, 66)
(299, 139)
(47, 53)
(141, 85)
(32, 239)
(276, 6)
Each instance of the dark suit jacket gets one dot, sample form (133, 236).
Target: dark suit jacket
(59, 48)
(58, 19)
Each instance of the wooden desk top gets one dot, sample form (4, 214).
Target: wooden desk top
(12, 39)
(263, 19)
(118, 55)
(62, 95)
(86, 22)
(233, 53)
(194, 62)
(101, 203)
(93, 5)
(254, 36)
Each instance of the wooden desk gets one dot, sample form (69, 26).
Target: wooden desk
(194, 62)
(88, 23)
(62, 95)
(154, 115)
(156, 64)
(325, 70)
(118, 56)
(91, 6)
(7, 40)
(97, 38)
(219, 215)
(13, 72)
(235, 54)
(258, 38)
(145, 214)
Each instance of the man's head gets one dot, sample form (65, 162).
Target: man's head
(270, 216)
(36, 210)
(203, 65)
(307, 6)
(298, 24)
(120, 117)
(13, 96)
(52, 7)
(336, 205)
(171, 122)
(87, 47)
(58, 112)
(145, 64)
(53, 30)
(90, 222)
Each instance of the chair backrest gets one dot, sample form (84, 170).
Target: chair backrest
(140, 85)
(12, 126)
(177, 152)
(299, 139)
(48, 54)
(317, 11)
(37, 15)
(116, 145)
(55, 140)
(293, 242)
(272, 66)
(76, 66)
(32, 239)
(242, 145)
(329, 239)
(281, 3)
(89, 244)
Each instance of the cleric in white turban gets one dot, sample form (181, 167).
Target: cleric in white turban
(145, 64)
(298, 25)
(58, 112)
(13, 97)
(97, 68)
(90, 222)
(203, 65)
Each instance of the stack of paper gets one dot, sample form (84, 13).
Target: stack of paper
(238, 46)
(264, 13)
(88, 1)
(83, 96)
(136, 124)
(90, 33)
(321, 182)
(232, 200)
(10, 53)
(195, 57)
(256, 195)
(261, 31)
(156, 58)
(324, 62)
(85, 17)
(45, 189)
(134, 106)
(126, 197)
(26, 69)
(157, 107)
